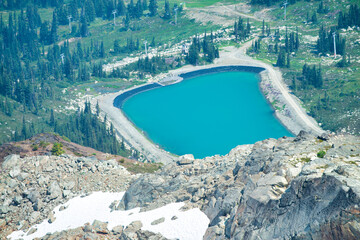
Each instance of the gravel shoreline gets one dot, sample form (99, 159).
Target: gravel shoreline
(287, 107)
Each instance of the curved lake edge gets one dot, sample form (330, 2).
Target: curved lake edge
(121, 98)
(273, 87)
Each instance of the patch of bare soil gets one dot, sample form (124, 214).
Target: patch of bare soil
(42, 144)
(224, 15)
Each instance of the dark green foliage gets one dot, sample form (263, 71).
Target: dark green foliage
(84, 32)
(54, 27)
(256, 45)
(345, 61)
(193, 54)
(210, 52)
(321, 154)
(351, 18)
(153, 7)
(314, 18)
(89, 10)
(281, 60)
(325, 43)
(322, 8)
(153, 65)
(312, 76)
(57, 149)
(241, 31)
(85, 128)
(167, 14)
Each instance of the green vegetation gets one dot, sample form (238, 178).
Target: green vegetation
(321, 154)
(37, 83)
(329, 87)
(57, 149)
(306, 160)
(135, 167)
(45, 64)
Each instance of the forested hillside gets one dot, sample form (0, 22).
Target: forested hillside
(48, 48)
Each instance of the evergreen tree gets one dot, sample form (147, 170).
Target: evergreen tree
(153, 7)
(89, 10)
(54, 27)
(84, 32)
(167, 14)
(121, 8)
(314, 18)
(281, 60)
(52, 118)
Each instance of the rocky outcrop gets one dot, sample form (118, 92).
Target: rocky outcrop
(274, 189)
(31, 187)
(290, 188)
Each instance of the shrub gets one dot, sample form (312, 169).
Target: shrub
(321, 154)
(35, 147)
(44, 144)
(57, 149)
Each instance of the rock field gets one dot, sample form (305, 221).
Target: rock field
(274, 189)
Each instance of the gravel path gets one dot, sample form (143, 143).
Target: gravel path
(294, 117)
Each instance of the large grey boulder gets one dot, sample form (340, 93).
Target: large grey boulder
(10, 161)
(54, 190)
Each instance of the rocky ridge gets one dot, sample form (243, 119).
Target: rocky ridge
(31, 187)
(290, 188)
(274, 189)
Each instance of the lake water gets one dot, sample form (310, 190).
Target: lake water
(205, 115)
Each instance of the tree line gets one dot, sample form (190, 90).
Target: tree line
(83, 127)
(206, 46)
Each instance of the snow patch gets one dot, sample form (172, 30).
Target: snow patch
(191, 224)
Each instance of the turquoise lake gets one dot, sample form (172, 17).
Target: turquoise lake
(205, 115)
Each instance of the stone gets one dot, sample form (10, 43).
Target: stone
(17, 200)
(34, 217)
(12, 183)
(66, 193)
(54, 190)
(134, 226)
(90, 236)
(100, 227)
(31, 231)
(88, 228)
(51, 218)
(186, 159)
(158, 221)
(38, 205)
(15, 171)
(4, 209)
(33, 196)
(11, 161)
(69, 185)
(2, 223)
(174, 218)
(117, 230)
(22, 176)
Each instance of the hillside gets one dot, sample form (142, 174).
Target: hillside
(254, 191)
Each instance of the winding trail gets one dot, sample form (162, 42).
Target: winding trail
(298, 119)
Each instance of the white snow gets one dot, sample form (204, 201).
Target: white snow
(189, 225)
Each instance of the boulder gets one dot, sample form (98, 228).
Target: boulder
(11, 161)
(15, 171)
(158, 221)
(117, 230)
(54, 190)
